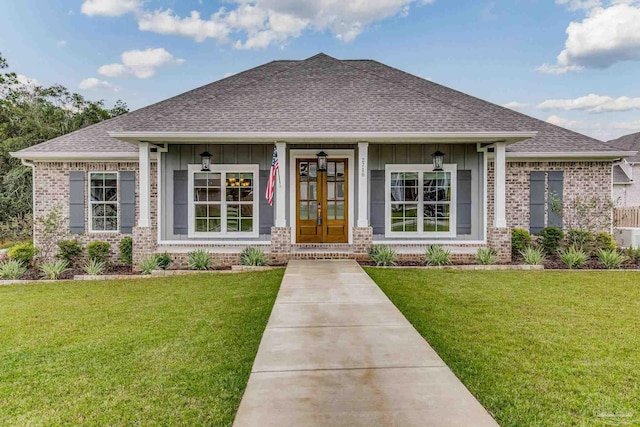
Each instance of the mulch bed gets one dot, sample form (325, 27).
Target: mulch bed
(34, 274)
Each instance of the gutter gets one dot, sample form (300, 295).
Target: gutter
(346, 137)
(74, 155)
(613, 155)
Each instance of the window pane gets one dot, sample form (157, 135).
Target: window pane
(201, 225)
(397, 224)
(246, 211)
(233, 211)
(246, 194)
(111, 195)
(331, 191)
(233, 194)
(313, 191)
(98, 224)
(404, 186)
(110, 210)
(246, 225)
(331, 210)
(304, 187)
(200, 180)
(201, 211)
(97, 179)
(340, 171)
(111, 224)
(111, 180)
(200, 195)
(97, 210)
(214, 211)
(233, 225)
(304, 213)
(313, 210)
(214, 225)
(213, 194)
(443, 225)
(213, 179)
(339, 210)
(340, 191)
(331, 169)
(97, 194)
(304, 171)
(313, 171)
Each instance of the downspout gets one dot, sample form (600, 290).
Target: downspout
(33, 194)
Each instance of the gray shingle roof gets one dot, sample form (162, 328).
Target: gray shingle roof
(619, 176)
(628, 143)
(323, 94)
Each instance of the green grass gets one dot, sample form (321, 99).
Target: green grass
(536, 348)
(166, 351)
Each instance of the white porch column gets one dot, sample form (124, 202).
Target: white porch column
(500, 186)
(363, 184)
(281, 186)
(144, 183)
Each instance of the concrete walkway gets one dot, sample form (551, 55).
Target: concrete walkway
(337, 352)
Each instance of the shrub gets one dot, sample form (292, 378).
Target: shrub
(54, 269)
(94, 268)
(253, 257)
(70, 251)
(163, 261)
(22, 252)
(486, 256)
(149, 264)
(605, 241)
(437, 255)
(633, 253)
(532, 256)
(383, 255)
(573, 257)
(12, 270)
(99, 251)
(520, 240)
(126, 251)
(550, 238)
(52, 230)
(199, 259)
(611, 258)
(581, 239)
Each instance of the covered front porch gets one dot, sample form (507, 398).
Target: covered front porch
(336, 205)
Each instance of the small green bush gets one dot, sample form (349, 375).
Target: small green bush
(573, 257)
(54, 269)
(12, 270)
(486, 256)
(532, 256)
(252, 257)
(611, 258)
(199, 260)
(99, 251)
(520, 240)
(70, 251)
(437, 255)
(163, 261)
(22, 252)
(550, 238)
(383, 255)
(149, 264)
(94, 268)
(125, 248)
(633, 253)
(605, 241)
(581, 239)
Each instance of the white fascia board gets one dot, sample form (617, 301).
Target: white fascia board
(75, 155)
(335, 137)
(567, 156)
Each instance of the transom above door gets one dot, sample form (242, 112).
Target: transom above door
(322, 202)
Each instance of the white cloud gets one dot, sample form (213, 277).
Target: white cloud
(109, 7)
(606, 36)
(562, 122)
(256, 24)
(61, 43)
(93, 83)
(139, 63)
(515, 105)
(580, 4)
(27, 81)
(592, 103)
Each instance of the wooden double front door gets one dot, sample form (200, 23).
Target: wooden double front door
(322, 202)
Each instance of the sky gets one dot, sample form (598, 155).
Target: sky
(574, 63)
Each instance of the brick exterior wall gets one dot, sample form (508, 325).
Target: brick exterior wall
(51, 187)
(581, 179)
(499, 239)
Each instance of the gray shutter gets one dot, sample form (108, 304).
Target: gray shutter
(77, 199)
(180, 202)
(127, 201)
(266, 211)
(463, 203)
(556, 179)
(376, 197)
(536, 202)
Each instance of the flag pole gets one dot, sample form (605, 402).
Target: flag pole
(276, 148)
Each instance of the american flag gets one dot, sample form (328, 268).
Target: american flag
(275, 165)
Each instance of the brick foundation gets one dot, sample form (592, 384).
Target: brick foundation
(499, 239)
(145, 241)
(362, 240)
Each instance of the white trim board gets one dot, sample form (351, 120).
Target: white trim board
(296, 154)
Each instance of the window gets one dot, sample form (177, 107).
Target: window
(224, 201)
(103, 201)
(420, 201)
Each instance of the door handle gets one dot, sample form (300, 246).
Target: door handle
(319, 214)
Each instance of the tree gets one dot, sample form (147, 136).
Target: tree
(30, 114)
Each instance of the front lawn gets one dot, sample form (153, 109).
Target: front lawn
(536, 348)
(166, 351)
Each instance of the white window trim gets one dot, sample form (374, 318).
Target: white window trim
(389, 169)
(255, 169)
(91, 203)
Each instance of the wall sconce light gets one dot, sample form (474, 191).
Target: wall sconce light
(438, 160)
(322, 161)
(206, 161)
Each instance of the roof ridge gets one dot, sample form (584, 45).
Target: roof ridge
(504, 109)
